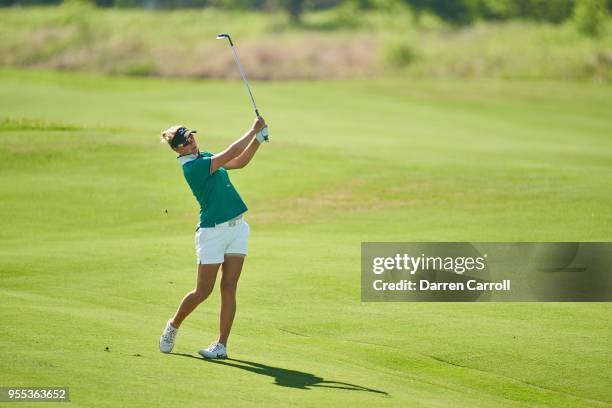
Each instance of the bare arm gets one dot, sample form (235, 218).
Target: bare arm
(245, 157)
(238, 147)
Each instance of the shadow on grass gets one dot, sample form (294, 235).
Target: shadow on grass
(284, 377)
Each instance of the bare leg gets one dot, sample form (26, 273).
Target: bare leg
(229, 282)
(207, 274)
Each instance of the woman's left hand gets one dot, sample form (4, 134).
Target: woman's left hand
(258, 124)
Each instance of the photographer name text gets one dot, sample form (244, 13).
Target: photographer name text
(425, 285)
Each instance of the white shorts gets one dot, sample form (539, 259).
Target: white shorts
(228, 238)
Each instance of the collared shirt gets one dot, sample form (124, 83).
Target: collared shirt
(219, 201)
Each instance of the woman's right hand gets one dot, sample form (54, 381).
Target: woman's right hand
(258, 124)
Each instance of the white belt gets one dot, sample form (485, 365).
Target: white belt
(231, 223)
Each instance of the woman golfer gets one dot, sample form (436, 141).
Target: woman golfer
(222, 234)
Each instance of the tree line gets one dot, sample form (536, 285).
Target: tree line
(457, 12)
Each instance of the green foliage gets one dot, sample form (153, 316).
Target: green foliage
(388, 5)
(589, 16)
(126, 3)
(399, 54)
(294, 8)
(554, 11)
(335, 43)
(82, 5)
(237, 4)
(499, 9)
(457, 12)
(467, 11)
(348, 13)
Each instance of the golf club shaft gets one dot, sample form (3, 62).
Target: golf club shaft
(244, 78)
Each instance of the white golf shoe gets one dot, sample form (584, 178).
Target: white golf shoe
(215, 350)
(166, 341)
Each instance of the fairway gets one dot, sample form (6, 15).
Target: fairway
(96, 244)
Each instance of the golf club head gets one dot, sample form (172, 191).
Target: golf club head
(225, 35)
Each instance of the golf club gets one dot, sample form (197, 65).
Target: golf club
(264, 131)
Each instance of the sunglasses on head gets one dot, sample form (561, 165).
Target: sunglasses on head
(182, 137)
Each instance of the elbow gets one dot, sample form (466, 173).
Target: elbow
(237, 163)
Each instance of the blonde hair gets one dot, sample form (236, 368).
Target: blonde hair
(168, 134)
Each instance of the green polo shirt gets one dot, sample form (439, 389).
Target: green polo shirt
(219, 201)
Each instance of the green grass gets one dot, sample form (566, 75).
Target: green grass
(338, 43)
(90, 259)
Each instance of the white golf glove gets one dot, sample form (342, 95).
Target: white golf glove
(262, 135)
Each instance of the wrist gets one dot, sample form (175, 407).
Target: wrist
(260, 136)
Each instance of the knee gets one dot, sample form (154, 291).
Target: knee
(228, 289)
(201, 294)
